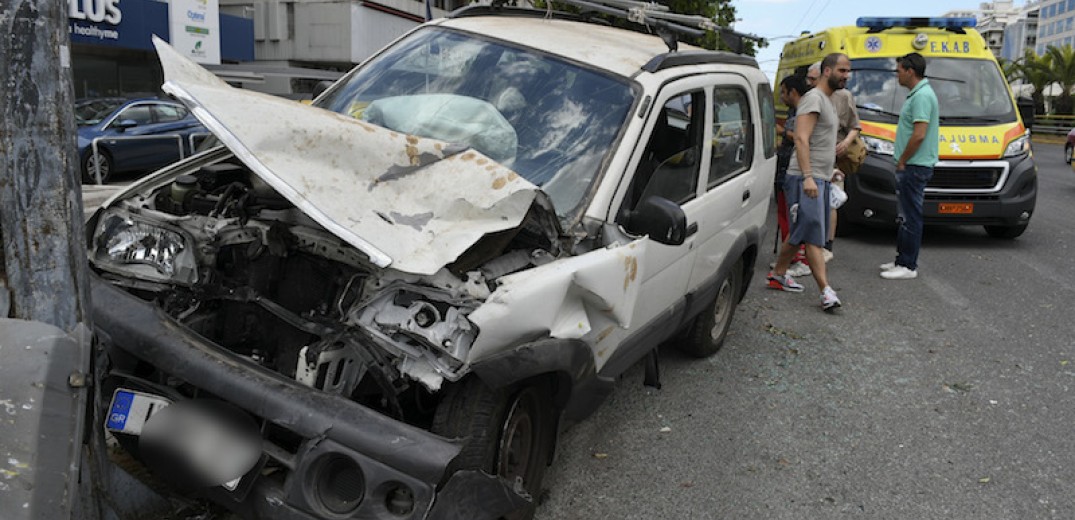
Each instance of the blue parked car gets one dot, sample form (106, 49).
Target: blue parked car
(116, 120)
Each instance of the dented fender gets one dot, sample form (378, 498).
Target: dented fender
(572, 298)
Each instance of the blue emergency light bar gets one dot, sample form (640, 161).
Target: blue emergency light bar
(877, 23)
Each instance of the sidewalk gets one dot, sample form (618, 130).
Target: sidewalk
(93, 196)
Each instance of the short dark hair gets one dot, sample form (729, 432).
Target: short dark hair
(830, 61)
(915, 62)
(795, 83)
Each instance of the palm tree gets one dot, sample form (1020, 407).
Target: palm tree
(1034, 71)
(1062, 71)
(1010, 68)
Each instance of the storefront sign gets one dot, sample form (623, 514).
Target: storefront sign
(192, 26)
(95, 10)
(116, 23)
(195, 29)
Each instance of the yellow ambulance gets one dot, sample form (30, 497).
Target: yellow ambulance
(986, 174)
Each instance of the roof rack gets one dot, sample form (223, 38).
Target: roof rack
(668, 25)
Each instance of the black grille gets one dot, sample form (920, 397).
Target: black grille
(965, 178)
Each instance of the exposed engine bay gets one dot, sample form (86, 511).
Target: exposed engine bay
(227, 256)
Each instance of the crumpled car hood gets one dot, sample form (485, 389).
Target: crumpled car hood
(407, 202)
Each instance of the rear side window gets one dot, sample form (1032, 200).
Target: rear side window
(733, 137)
(768, 120)
(166, 113)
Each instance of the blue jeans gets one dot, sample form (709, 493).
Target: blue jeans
(910, 191)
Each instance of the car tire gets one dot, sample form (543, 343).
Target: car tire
(1068, 150)
(508, 432)
(88, 176)
(1008, 232)
(707, 333)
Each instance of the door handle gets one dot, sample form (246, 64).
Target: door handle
(746, 195)
(692, 228)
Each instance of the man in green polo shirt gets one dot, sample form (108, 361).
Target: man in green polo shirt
(916, 154)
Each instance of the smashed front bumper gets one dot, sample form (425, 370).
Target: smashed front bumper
(401, 468)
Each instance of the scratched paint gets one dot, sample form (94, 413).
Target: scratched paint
(582, 297)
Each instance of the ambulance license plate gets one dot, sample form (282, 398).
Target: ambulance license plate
(131, 409)
(955, 208)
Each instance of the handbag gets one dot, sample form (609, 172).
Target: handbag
(837, 196)
(852, 160)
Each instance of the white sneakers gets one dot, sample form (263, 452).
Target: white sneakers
(829, 300)
(898, 272)
(799, 269)
(888, 266)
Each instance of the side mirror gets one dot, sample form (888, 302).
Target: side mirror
(125, 124)
(661, 219)
(1026, 110)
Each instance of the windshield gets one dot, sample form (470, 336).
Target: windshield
(970, 92)
(551, 121)
(91, 112)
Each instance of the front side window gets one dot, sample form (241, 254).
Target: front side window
(551, 121)
(733, 137)
(140, 114)
(669, 165)
(969, 91)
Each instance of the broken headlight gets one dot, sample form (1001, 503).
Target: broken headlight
(125, 244)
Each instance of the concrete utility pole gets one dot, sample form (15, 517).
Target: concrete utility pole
(44, 306)
(44, 274)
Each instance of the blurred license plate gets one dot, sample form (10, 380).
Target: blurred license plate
(958, 208)
(130, 410)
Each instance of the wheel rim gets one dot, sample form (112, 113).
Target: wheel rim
(91, 165)
(517, 443)
(722, 309)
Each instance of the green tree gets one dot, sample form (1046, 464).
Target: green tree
(1010, 68)
(1061, 68)
(1034, 71)
(721, 11)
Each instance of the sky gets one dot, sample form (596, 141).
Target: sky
(776, 18)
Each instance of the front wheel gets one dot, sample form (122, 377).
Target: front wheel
(91, 162)
(508, 432)
(707, 334)
(1068, 152)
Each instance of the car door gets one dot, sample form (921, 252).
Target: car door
(128, 153)
(667, 163)
(730, 186)
(171, 120)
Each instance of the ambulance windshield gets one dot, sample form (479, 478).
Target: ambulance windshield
(970, 92)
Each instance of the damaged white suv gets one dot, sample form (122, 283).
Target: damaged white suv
(405, 291)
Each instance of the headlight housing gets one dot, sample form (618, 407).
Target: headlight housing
(1019, 146)
(126, 244)
(879, 146)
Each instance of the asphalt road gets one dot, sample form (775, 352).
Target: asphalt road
(946, 397)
